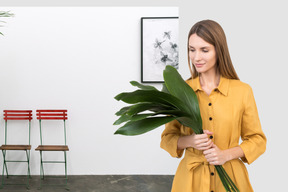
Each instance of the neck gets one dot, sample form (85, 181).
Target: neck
(210, 79)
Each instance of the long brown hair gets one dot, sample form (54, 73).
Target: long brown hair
(211, 32)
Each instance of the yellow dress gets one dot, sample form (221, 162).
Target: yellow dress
(229, 112)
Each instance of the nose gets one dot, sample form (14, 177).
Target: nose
(197, 56)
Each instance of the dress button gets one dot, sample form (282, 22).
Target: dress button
(211, 137)
(210, 104)
(210, 118)
(212, 191)
(212, 173)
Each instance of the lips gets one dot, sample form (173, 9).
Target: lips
(198, 65)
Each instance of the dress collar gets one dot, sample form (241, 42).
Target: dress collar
(222, 87)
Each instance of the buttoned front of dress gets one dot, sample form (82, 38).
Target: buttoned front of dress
(229, 112)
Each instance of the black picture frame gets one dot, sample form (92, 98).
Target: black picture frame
(159, 47)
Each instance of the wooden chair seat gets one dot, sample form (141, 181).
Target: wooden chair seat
(52, 148)
(15, 147)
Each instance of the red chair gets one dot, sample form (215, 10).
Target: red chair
(12, 115)
(59, 115)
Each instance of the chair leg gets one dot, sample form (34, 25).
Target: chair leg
(41, 166)
(28, 168)
(28, 161)
(65, 158)
(2, 183)
(41, 170)
(4, 168)
(4, 161)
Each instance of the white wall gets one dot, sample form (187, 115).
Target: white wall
(79, 58)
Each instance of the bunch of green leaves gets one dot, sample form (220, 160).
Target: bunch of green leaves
(151, 108)
(5, 14)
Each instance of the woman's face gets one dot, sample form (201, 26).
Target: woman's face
(202, 54)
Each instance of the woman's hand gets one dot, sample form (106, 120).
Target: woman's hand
(215, 156)
(197, 141)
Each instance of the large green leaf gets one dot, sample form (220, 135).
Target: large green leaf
(143, 87)
(192, 123)
(121, 119)
(180, 89)
(126, 117)
(151, 96)
(164, 89)
(143, 126)
(5, 14)
(123, 110)
(174, 113)
(137, 108)
(138, 117)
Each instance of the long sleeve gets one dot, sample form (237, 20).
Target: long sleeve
(169, 138)
(254, 140)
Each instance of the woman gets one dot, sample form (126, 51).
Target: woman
(228, 111)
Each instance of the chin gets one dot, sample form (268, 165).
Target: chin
(200, 70)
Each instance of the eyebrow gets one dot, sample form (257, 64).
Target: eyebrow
(206, 47)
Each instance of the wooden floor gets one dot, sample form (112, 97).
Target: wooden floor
(95, 183)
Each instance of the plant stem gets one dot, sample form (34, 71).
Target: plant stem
(222, 177)
(229, 179)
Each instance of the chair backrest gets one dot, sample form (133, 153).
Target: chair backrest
(50, 114)
(17, 115)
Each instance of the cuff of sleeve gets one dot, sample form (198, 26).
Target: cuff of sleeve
(246, 158)
(179, 153)
(176, 152)
(174, 147)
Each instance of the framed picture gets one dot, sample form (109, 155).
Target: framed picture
(159, 47)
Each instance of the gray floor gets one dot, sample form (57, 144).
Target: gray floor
(96, 183)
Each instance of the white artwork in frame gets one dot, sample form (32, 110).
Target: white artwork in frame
(159, 47)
